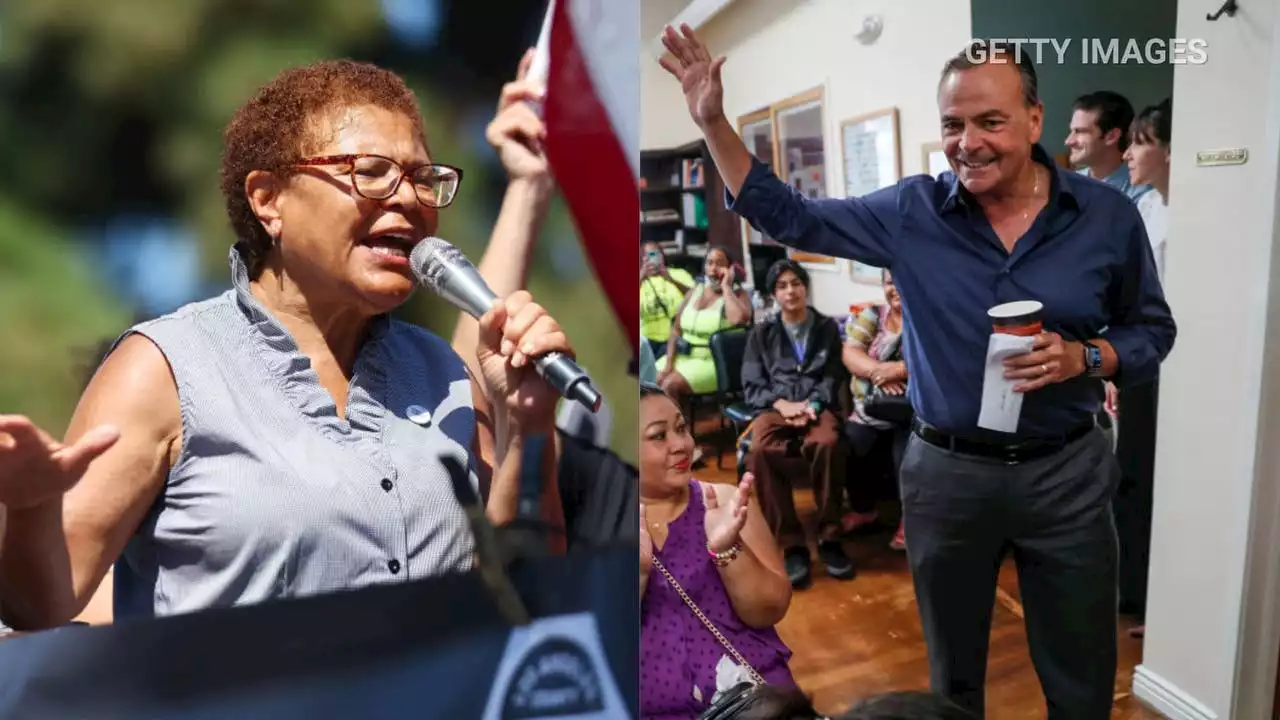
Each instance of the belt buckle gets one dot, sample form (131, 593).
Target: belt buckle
(1013, 454)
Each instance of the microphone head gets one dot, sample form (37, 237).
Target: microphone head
(431, 258)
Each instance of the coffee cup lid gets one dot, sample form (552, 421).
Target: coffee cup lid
(1017, 309)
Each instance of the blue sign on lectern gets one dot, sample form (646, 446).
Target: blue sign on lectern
(436, 648)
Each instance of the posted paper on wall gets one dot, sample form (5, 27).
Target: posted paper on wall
(1001, 406)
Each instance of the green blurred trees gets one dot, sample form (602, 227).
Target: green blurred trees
(53, 313)
(117, 107)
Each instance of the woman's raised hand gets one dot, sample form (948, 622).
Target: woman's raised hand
(516, 131)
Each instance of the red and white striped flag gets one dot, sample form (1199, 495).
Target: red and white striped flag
(589, 59)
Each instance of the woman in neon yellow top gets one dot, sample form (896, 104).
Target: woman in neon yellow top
(662, 289)
(708, 308)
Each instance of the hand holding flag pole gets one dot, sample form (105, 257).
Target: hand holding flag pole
(541, 64)
(587, 58)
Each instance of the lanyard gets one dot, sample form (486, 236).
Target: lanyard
(798, 346)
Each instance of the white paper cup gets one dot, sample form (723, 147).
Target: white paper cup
(1022, 317)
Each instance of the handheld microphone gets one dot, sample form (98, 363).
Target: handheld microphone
(444, 270)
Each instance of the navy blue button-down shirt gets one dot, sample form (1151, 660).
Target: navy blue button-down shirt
(1086, 258)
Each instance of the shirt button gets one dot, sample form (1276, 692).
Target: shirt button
(394, 566)
(386, 485)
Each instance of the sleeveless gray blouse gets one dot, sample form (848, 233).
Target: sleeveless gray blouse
(274, 495)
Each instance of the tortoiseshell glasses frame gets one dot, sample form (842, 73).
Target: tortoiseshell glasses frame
(378, 177)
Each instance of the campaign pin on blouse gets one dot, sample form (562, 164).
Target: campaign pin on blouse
(418, 415)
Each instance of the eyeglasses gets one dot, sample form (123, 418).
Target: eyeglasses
(378, 178)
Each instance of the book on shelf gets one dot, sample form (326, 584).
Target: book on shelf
(691, 173)
(660, 215)
(695, 211)
(674, 246)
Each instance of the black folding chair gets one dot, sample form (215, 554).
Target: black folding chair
(728, 347)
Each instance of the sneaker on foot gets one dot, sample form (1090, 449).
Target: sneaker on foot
(857, 520)
(798, 567)
(899, 541)
(838, 564)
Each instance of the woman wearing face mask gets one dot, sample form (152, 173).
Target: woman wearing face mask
(711, 541)
(289, 437)
(711, 306)
(1148, 159)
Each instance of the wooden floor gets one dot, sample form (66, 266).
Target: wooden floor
(857, 638)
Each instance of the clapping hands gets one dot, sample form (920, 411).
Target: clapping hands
(725, 522)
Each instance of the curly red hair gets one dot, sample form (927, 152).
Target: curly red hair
(281, 124)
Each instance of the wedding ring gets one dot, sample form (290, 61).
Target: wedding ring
(1044, 369)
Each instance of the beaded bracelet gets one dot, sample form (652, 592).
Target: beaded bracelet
(724, 558)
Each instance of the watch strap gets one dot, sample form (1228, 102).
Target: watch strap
(1092, 360)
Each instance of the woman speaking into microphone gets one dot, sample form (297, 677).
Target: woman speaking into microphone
(287, 437)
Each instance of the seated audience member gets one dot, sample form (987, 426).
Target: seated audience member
(711, 541)
(708, 308)
(1148, 158)
(662, 289)
(881, 412)
(790, 373)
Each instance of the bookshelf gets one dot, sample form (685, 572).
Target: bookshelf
(682, 206)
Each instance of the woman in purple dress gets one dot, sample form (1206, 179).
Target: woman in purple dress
(711, 541)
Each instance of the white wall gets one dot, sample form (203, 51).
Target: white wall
(1211, 622)
(778, 48)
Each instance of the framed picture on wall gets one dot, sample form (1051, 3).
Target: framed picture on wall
(862, 273)
(871, 148)
(756, 131)
(801, 156)
(872, 152)
(789, 136)
(932, 160)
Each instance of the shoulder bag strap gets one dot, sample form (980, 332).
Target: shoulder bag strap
(759, 680)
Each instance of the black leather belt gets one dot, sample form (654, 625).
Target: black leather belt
(1012, 453)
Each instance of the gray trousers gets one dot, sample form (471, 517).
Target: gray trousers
(962, 514)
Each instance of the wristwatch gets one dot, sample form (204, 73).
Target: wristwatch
(1092, 360)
